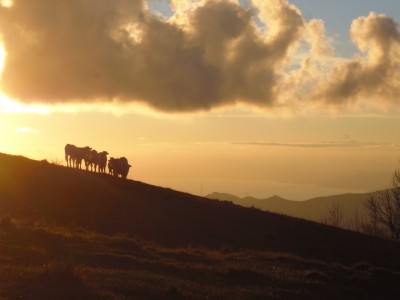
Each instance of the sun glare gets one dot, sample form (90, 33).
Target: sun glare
(9, 106)
(6, 3)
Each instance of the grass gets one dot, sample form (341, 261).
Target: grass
(42, 262)
(72, 234)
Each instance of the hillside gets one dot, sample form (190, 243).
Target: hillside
(313, 209)
(122, 235)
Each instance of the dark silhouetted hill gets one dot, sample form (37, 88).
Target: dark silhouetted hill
(38, 191)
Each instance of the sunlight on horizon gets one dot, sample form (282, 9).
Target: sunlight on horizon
(237, 111)
(120, 108)
(10, 106)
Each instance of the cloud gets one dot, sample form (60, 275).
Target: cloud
(63, 51)
(376, 72)
(331, 144)
(208, 54)
(26, 130)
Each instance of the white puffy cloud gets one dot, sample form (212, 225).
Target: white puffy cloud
(372, 76)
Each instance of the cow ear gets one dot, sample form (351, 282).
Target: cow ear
(129, 166)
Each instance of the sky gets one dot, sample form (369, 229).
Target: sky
(295, 98)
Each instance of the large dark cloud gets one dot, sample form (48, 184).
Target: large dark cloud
(209, 53)
(90, 50)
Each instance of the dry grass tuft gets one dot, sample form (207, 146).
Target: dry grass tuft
(7, 224)
(61, 273)
(316, 276)
(363, 266)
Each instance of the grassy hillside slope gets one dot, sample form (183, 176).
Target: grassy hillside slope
(97, 235)
(38, 261)
(58, 195)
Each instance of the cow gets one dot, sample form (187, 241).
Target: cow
(70, 154)
(119, 167)
(91, 159)
(111, 165)
(80, 154)
(74, 155)
(102, 161)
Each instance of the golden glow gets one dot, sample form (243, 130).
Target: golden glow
(9, 106)
(6, 3)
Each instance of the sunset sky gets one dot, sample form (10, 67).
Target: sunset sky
(297, 98)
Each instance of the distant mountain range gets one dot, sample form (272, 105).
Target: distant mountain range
(313, 209)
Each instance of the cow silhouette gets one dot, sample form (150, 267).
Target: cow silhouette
(74, 155)
(102, 161)
(96, 161)
(118, 167)
(91, 160)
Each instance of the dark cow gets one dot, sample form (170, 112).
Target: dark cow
(91, 159)
(70, 154)
(74, 155)
(111, 165)
(119, 167)
(102, 161)
(80, 154)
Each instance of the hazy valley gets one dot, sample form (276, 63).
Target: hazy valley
(313, 209)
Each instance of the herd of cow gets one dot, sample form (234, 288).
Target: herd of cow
(95, 161)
